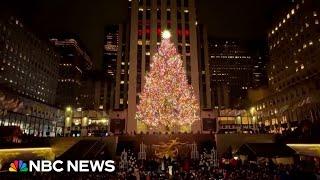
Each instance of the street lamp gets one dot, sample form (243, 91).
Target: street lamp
(253, 118)
(68, 109)
(252, 110)
(104, 120)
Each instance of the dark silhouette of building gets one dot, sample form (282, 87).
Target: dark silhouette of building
(235, 67)
(73, 66)
(116, 64)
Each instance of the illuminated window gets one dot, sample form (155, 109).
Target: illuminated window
(307, 25)
(315, 13)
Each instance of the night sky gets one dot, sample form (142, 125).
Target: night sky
(236, 19)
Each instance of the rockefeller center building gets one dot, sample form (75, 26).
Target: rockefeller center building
(148, 19)
(293, 72)
(28, 81)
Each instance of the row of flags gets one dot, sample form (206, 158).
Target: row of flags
(27, 107)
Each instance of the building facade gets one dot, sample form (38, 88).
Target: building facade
(96, 94)
(73, 67)
(28, 81)
(204, 68)
(28, 65)
(235, 68)
(293, 72)
(148, 19)
(116, 63)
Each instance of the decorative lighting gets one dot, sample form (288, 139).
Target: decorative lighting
(252, 110)
(25, 149)
(167, 101)
(166, 34)
(68, 109)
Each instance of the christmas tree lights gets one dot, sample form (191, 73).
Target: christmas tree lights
(167, 101)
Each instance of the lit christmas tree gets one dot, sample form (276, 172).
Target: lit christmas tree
(167, 101)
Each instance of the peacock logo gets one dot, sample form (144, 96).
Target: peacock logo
(18, 166)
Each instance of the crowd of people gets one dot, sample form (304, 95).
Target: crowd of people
(229, 170)
(204, 167)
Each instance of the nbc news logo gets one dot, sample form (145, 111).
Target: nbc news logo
(58, 166)
(18, 166)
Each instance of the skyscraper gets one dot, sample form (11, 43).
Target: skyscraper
(235, 68)
(204, 68)
(148, 19)
(28, 80)
(208, 111)
(72, 68)
(116, 66)
(293, 71)
(29, 66)
(116, 63)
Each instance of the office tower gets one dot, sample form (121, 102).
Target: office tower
(73, 67)
(293, 71)
(28, 80)
(29, 66)
(235, 68)
(204, 68)
(208, 113)
(116, 63)
(148, 19)
(116, 66)
(95, 94)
